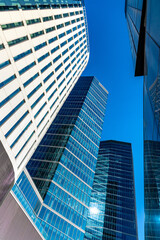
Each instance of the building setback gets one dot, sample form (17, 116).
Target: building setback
(112, 212)
(143, 20)
(55, 187)
(43, 51)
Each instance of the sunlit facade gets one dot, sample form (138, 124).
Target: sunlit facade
(43, 51)
(55, 187)
(112, 212)
(147, 63)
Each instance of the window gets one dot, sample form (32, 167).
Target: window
(60, 26)
(65, 15)
(23, 70)
(40, 110)
(1, 46)
(30, 80)
(74, 67)
(50, 86)
(48, 77)
(8, 80)
(11, 113)
(36, 34)
(72, 13)
(52, 94)
(56, 59)
(67, 77)
(16, 124)
(70, 39)
(61, 35)
(52, 40)
(25, 144)
(43, 57)
(77, 48)
(21, 55)
(49, 18)
(58, 77)
(38, 99)
(33, 21)
(67, 23)
(73, 60)
(61, 83)
(4, 64)
(46, 67)
(67, 67)
(70, 47)
(12, 25)
(42, 120)
(9, 97)
(54, 49)
(58, 67)
(64, 43)
(75, 35)
(76, 42)
(40, 46)
(34, 90)
(16, 140)
(54, 102)
(62, 90)
(69, 31)
(18, 40)
(72, 54)
(58, 16)
(50, 29)
(64, 52)
(73, 21)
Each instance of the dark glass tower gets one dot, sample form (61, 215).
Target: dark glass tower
(112, 212)
(147, 63)
(56, 185)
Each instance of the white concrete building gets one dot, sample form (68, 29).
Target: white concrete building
(43, 52)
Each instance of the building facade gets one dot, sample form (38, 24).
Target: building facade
(112, 212)
(55, 187)
(43, 50)
(147, 61)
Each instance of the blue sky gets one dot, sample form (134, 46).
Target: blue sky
(111, 62)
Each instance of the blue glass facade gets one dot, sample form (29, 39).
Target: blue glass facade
(149, 40)
(63, 166)
(134, 13)
(112, 212)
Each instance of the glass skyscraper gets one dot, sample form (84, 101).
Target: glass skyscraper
(147, 63)
(55, 187)
(112, 211)
(44, 49)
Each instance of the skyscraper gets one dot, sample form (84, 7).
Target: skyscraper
(43, 50)
(112, 212)
(55, 187)
(144, 23)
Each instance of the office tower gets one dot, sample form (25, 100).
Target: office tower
(43, 51)
(112, 212)
(55, 187)
(144, 22)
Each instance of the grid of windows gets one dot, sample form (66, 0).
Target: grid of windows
(112, 213)
(34, 74)
(61, 166)
(143, 24)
